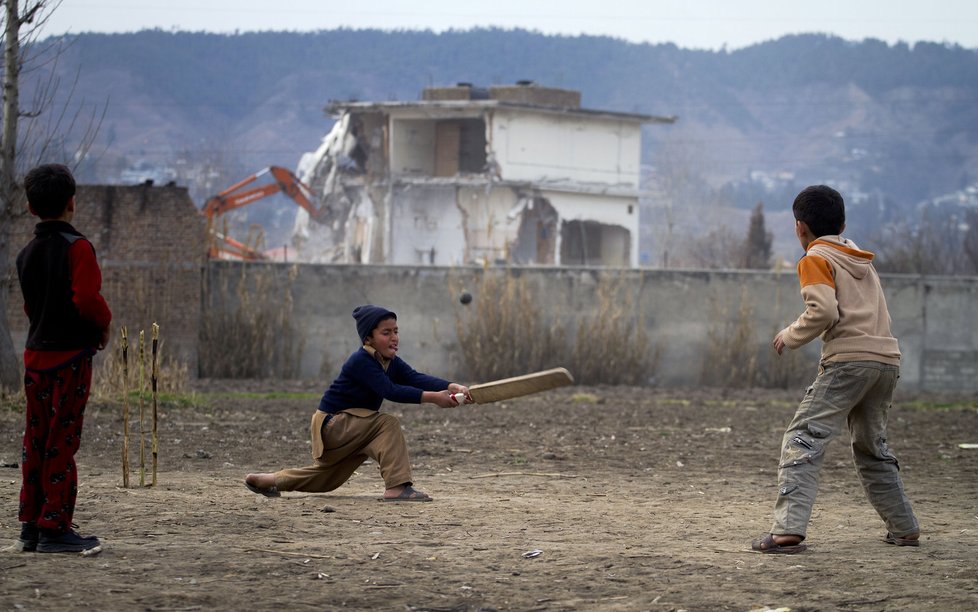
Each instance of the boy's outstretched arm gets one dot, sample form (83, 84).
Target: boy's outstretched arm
(443, 399)
(439, 397)
(455, 388)
(821, 305)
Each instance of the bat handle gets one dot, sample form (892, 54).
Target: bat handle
(459, 397)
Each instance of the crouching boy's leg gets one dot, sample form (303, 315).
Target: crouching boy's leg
(389, 449)
(329, 471)
(348, 439)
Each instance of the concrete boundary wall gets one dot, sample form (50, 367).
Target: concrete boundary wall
(683, 312)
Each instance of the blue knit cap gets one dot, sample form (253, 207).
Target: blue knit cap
(369, 317)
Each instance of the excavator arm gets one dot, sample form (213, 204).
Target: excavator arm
(237, 196)
(285, 182)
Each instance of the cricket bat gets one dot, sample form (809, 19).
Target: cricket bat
(508, 388)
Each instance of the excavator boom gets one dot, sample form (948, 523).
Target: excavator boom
(236, 196)
(285, 181)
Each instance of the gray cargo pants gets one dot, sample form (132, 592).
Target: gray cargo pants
(857, 394)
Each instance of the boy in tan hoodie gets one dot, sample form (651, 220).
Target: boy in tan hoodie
(858, 370)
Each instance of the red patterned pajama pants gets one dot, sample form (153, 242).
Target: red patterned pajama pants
(55, 411)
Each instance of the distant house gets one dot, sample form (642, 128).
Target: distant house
(515, 174)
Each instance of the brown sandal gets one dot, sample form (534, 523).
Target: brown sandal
(266, 491)
(898, 541)
(769, 546)
(409, 494)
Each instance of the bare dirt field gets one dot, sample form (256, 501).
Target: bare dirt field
(639, 499)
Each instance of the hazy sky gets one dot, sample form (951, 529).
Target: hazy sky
(703, 24)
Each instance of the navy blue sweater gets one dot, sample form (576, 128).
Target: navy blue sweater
(363, 383)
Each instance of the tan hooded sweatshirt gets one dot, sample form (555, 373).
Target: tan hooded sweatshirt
(844, 304)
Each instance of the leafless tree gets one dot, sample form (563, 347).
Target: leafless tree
(32, 134)
(971, 242)
(680, 203)
(940, 242)
(718, 249)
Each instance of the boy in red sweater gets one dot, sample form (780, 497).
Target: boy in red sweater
(69, 321)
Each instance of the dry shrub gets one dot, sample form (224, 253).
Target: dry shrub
(109, 383)
(248, 332)
(612, 345)
(736, 358)
(504, 333)
(731, 356)
(789, 370)
(12, 399)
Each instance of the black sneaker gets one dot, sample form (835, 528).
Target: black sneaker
(51, 541)
(28, 538)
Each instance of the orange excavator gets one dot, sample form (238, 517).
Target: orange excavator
(223, 246)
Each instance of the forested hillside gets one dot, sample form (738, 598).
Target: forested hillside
(891, 125)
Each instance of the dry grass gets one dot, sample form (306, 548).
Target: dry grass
(109, 383)
(247, 330)
(108, 380)
(12, 399)
(504, 333)
(736, 357)
(790, 370)
(731, 356)
(612, 345)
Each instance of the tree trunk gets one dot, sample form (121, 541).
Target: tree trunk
(9, 363)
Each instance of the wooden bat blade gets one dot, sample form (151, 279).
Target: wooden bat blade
(508, 388)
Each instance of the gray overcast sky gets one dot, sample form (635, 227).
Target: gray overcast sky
(701, 24)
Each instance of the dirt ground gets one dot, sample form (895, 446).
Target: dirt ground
(639, 499)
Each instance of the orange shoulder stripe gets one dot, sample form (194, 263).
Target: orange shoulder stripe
(844, 249)
(815, 270)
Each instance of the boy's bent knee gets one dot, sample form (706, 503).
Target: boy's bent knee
(802, 447)
(388, 420)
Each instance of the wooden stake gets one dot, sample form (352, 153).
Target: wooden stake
(125, 409)
(142, 428)
(155, 378)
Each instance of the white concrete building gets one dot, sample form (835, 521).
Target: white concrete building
(507, 174)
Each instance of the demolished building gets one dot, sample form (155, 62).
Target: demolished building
(517, 174)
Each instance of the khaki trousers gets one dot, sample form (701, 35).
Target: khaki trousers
(854, 395)
(338, 449)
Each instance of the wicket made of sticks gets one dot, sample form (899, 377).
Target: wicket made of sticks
(154, 380)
